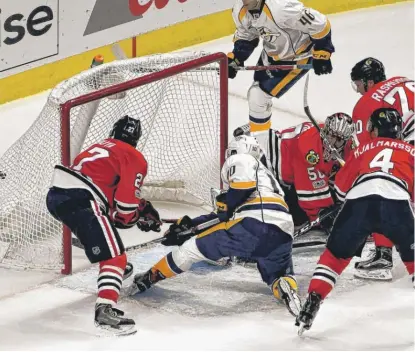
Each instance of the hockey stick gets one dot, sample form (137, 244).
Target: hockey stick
(275, 67)
(120, 55)
(314, 122)
(310, 224)
(77, 243)
(308, 244)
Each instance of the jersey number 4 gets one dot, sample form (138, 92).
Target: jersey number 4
(383, 160)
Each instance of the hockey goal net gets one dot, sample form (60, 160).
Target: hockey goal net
(181, 100)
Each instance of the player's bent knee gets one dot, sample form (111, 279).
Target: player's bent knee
(260, 103)
(187, 254)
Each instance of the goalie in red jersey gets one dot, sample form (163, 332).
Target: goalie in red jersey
(97, 194)
(303, 163)
(369, 79)
(377, 185)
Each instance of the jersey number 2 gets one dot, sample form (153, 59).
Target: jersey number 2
(383, 160)
(98, 153)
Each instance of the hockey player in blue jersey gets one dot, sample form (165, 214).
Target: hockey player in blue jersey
(256, 224)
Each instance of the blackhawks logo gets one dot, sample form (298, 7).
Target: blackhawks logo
(312, 157)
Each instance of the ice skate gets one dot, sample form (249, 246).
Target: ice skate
(112, 320)
(377, 267)
(286, 290)
(308, 312)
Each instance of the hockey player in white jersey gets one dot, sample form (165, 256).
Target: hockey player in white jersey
(255, 225)
(292, 34)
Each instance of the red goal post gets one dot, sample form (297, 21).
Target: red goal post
(181, 100)
(196, 64)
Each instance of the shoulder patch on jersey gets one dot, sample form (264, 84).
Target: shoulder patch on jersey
(137, 194)
(312, 157)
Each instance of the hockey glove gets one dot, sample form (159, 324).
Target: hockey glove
(328, 215)
(321, 62)
(149, 217)
(172, 236)
(221, 202)
(233, 64)
(121, 223)
(2, 175)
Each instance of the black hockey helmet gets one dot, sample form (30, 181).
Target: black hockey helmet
(127, 129)
(388, 121)
(369, 69)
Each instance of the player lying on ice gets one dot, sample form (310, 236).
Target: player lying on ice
(369, 79)
(303, 163)
(256, 225)
(376, 185)
(97, 194)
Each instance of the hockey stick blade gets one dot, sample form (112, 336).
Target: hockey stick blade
(310, 224)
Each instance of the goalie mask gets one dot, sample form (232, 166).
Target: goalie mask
(337, 131)
(127, 130)
(244, 145)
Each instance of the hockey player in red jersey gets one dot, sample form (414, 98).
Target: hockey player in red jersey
(97, 194)
(377, 184)
(369, 79)
(302, 161)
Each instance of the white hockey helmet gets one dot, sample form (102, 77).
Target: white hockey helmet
(244, 145)
(338, 130)
(252, 4)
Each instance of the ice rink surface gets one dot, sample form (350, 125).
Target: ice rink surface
(215, 308)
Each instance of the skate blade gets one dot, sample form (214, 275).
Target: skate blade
(377, 275)
(108, 331)
(301, 329)
(290, 298)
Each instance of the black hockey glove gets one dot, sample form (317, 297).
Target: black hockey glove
(149, 218)
(2, 175)
(321, 62)
(328, 215)
(233, 64)
(221, 202)
(172, 236)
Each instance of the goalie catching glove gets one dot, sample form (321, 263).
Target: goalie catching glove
(172, 236)
(149, 218)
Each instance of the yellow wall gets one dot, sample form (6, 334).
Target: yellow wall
(164, 40)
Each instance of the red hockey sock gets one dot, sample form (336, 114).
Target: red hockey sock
(409, 267)
(326, 273)
(110, 276)
(382, 241)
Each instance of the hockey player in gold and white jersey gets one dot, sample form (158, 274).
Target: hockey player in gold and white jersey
(292, 34)
(256, 225)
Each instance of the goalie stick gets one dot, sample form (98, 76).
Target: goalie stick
(314, 122)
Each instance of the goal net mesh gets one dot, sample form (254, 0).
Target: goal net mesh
(180, 117)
